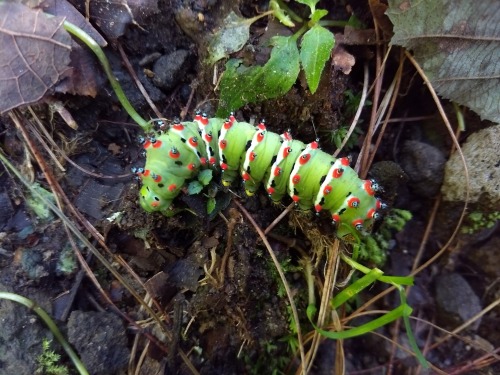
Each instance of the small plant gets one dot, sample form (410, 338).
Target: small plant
(477, 221)
(48, 361)
(373, 248)
(309, 47)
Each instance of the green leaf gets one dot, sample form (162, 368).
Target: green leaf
(205, 176)
(316, 46)
(211, 203)
(310, 3)
(194, 187)
(356, 287)
(241, 84)
(280, 14)
(318, 14)
(230, 38)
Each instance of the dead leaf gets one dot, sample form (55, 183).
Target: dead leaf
(342, 60)
(86, 75)
(34, 54)
(457, 43)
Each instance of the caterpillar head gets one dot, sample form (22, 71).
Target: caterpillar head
(151, 202)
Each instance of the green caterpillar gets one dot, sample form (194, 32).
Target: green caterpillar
(310, 176)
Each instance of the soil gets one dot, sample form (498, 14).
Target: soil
(215, 289)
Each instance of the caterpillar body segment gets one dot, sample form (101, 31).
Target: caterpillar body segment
(311, 177)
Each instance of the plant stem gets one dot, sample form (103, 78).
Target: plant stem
(50, 324)
(92, 44)
(331, 23)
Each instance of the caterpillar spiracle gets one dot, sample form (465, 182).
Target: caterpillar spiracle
(310, 176)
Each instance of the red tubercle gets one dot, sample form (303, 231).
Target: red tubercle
(191, 166)
(357, 223)
(232, 119)
(261, 125)
(371, 213)
(204, 120)
(337, 172)
(245, 176)
(156, 177)
(147, 144)
(203, 161)
(336, 218)
(345, 161)
(252, 156)
(223, 166)
(314, 145)
(174, 153)
(327, 190)
(212, 160)
(287, 136)
(270, 190)
(367, 185)
(260, 136)
(157, 144)
(277, 171)
(304, 159)
(227, 125)
(296, 179)
(146, 173)
(353, 202)
(208, 137)
(193, 141)
(155, 204)
(172, 187)
(178, 126)
(296, 198)
(222, 144)
(287, 152)
(318, 207)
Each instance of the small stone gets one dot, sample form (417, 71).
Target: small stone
(481, 151)
(456, 301)
(424, 165)
(99, 338)
(170, 69)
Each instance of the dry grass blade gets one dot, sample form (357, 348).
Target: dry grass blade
(62, 198)
(331, 267)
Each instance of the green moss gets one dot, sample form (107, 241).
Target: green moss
(48, 361)
(373, 248)
(477, 221)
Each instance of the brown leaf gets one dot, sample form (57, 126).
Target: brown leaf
(34, 54)
(86, 77)
(63, 8)
(457, 43)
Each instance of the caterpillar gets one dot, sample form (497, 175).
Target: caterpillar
(310, 176)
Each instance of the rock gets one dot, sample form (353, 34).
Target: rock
(170, 69)
(482, 154)
(99, 338)
(21, 335)
(456, 301)
(486, 257)
(424, 165)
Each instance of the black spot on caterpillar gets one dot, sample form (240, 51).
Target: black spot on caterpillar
(285, 166)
